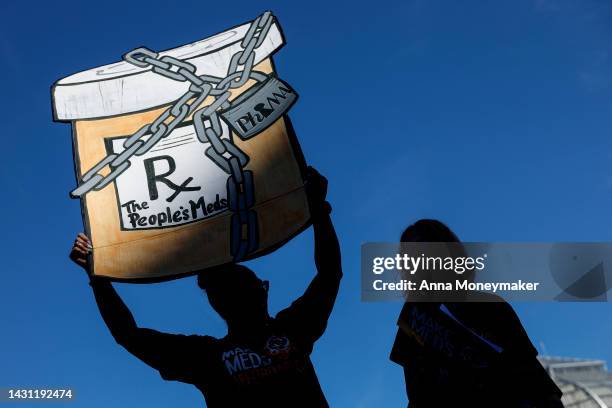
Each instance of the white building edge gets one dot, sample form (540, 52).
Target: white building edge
(585, 383)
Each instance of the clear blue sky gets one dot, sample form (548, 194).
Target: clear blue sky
(492, 116)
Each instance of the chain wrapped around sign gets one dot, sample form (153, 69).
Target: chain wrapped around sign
(250, 114)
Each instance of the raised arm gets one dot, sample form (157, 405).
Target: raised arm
(312, 310)
(115, 313)
(327, 252)
(167, 353)
(327, 248)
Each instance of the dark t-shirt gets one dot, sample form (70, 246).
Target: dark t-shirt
(468, 353)
(273, 370)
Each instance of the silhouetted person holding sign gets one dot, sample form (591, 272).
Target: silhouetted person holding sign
(263, 361)
(472, 354)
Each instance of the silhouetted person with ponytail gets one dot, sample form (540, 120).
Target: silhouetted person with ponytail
(263, 361)
(467, 354)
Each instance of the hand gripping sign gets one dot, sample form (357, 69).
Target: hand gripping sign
(185, 159)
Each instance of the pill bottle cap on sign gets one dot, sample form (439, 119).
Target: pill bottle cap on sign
(122, 88)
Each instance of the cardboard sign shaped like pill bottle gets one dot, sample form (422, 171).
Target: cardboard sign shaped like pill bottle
(179, 204)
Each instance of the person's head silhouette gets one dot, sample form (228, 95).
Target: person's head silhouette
(446, 244)
(427, 230)
(237, 294)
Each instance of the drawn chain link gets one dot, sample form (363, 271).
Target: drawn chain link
(208, 127)
(202, 86)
